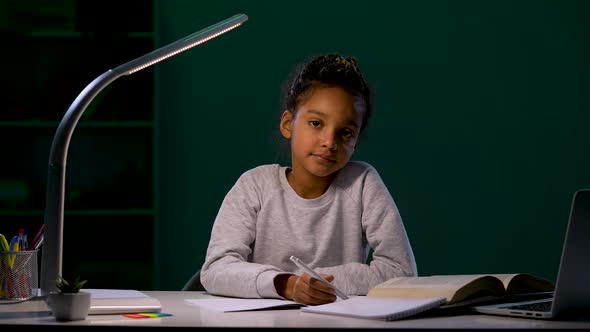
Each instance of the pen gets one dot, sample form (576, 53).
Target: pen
(307, 269)
(39, 242)
(33, 244)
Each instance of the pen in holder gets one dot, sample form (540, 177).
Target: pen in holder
(18, 275)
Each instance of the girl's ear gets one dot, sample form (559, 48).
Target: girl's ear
(286, 124)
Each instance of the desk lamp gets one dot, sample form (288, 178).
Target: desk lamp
(51, 262)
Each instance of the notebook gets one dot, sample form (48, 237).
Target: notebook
(120, 301)
(572, 289)
(376, 308)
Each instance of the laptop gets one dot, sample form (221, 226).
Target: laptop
(571, 298)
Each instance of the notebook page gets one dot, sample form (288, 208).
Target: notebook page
(376, 308)
(236, 304)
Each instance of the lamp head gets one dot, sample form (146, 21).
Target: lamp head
(182, 45)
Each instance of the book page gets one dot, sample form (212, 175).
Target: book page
(449, 281)
(519, 283)
(452, 287)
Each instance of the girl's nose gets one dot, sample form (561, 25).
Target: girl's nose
(329, 141)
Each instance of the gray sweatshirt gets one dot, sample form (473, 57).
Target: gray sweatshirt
(262, 222)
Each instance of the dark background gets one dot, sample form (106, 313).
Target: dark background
(480, 129)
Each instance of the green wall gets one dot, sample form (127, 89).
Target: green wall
(480, 128)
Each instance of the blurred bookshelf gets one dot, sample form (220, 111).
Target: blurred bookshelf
(56, 49)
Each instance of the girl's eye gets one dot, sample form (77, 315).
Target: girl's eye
(348, 134)
(314, 123)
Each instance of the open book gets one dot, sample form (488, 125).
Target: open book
(462, 290)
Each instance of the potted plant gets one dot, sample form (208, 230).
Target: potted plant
(69, 303)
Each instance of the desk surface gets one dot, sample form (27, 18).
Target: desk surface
(36, 314)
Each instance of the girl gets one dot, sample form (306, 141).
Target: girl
(325, 209)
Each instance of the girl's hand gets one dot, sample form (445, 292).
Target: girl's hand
(305, 289)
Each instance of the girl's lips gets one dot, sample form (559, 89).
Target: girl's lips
(327, 158)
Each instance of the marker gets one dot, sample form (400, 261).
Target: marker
(14, 243)
(22, 239)
(4, 244)
(307, 269)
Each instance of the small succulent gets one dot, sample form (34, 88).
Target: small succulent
(65, 287)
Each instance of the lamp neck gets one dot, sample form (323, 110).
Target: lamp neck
(52, 257)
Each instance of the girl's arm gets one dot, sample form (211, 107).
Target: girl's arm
(226, 270)
(385, 234)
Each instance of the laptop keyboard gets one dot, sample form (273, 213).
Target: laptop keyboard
(541, 306)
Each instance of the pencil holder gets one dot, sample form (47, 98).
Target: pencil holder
(18, 275)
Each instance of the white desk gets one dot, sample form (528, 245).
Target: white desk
(35, 314)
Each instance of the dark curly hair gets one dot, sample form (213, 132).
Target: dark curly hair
(328, 70)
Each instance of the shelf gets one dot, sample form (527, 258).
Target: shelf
(123, 271)
(138, 212)
(81, 124)
(110, 181)
(78, 34)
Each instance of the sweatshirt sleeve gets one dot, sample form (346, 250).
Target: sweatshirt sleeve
(226, 270)
(385, 233)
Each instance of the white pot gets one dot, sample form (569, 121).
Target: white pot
(69, 306)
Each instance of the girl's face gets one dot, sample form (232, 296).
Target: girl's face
(323, 132)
